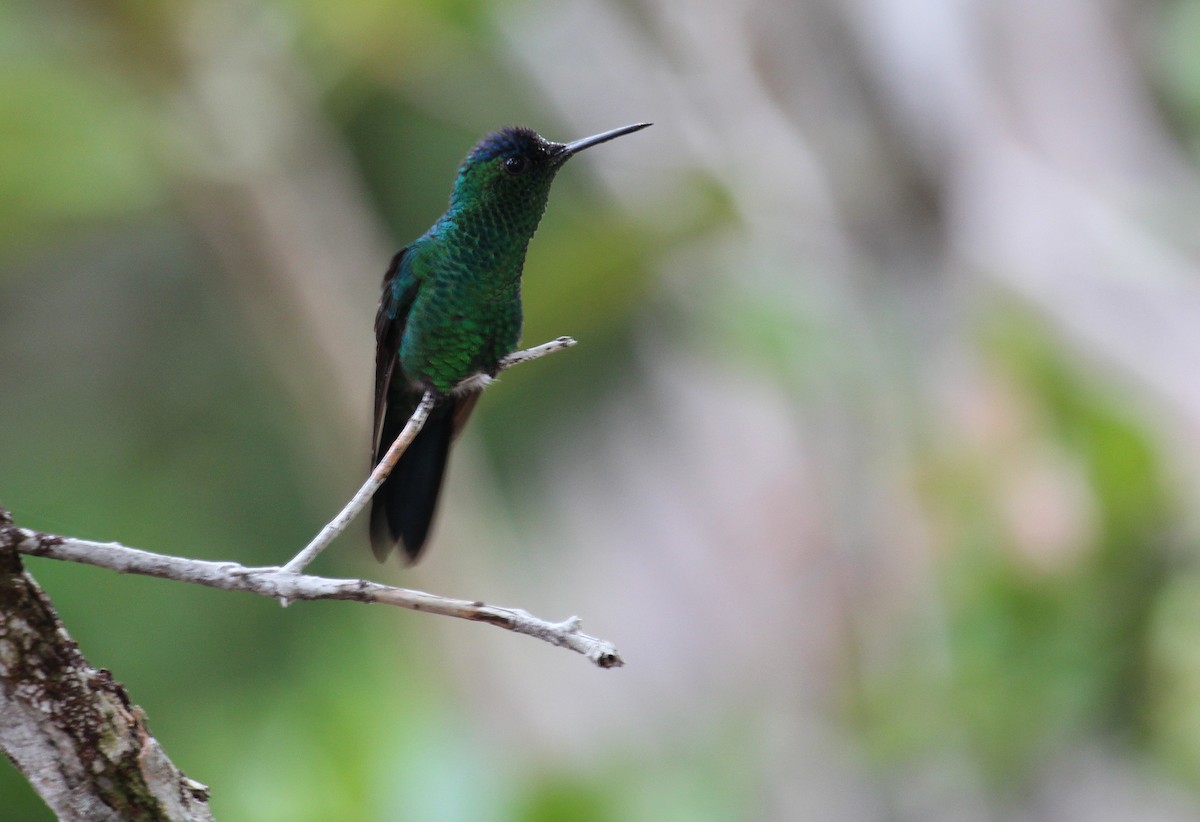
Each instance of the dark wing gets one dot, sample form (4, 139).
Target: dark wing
(399, 289)
(463, 407)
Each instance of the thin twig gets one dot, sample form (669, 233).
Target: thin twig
(359, 501)
(280, 584)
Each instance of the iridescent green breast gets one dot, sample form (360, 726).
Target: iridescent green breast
(466, 315)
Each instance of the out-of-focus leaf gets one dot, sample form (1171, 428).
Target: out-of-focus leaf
(84, 148)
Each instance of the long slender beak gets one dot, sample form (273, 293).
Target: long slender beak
(577, 146)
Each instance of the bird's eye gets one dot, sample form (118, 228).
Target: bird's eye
(517, 164)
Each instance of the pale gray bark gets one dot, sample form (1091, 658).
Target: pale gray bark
(280, 584)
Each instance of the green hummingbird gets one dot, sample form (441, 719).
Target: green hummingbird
(451, 310)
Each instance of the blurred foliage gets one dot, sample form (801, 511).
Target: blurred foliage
(1177, 66)
(1047, 650)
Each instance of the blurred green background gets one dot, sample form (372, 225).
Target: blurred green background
(877, 458)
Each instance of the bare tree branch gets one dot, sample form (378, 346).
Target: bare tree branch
(281, 584)
(70, 728)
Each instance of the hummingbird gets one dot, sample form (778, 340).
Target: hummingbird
(451, 310)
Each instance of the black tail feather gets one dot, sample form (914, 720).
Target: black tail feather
(403, 508)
